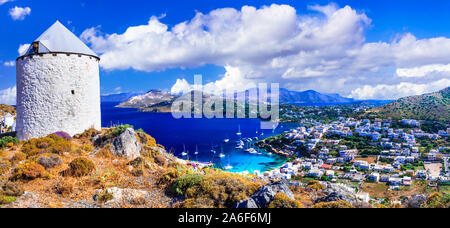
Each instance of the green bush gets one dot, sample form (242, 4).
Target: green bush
(181, 184)
(7, 199)
(120, 129)
(8, 139)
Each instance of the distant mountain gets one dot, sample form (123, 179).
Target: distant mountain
(160, 101)
(151, 98)
(433, 106)
(311, 96)
(120, 97)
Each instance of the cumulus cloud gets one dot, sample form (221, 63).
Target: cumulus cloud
(8, 96)
(19, 13)
(325, 50)
(423, 70)
(23, 48)
(403, 89)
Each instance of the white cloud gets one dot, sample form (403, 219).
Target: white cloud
(9, 63)
(423, 70)
(8, 96)
(19, 13)
(5, 1)
(23, 48)
(402, 89)
(325, 50)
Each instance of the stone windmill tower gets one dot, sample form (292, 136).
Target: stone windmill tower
(58, 86)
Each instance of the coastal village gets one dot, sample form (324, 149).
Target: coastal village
(362, 154)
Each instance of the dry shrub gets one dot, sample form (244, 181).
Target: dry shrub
(80, 167)
(9, 188)
(437, 200)
(104, 196)
(4, 166)
(281, 200)
(28, 171)
(315, 185)
(104, 153)
(335, 204)
(18, 157)
(64, 187)
(49, 160)
(169, 176)
(146, 139)
(88, 134)
(50, 144)
(220, 190)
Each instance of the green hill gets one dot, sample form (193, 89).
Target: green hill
(433, 106)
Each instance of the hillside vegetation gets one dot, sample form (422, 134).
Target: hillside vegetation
(4, 109)
(434, 106)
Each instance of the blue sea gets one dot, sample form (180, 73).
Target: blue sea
(206, 134)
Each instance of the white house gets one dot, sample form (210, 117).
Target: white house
(8, 120)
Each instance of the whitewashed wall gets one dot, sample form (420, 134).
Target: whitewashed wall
(45, 103)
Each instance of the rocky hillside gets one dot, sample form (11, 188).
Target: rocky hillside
(433, 106)
(4, 109)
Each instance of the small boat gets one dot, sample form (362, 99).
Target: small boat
(228, 167)
(240, 147)
(226, 140)
(196, 150)
(184, 153)
(221, 155)
(239, 132)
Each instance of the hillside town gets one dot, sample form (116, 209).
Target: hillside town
(362, 153)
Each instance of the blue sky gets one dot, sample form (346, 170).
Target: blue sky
(365, 24)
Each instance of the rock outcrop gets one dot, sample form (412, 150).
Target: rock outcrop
(265, 195)
(126, 145)
(336, 192)
(415, 201)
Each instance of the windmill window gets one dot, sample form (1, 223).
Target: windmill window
(35, 47)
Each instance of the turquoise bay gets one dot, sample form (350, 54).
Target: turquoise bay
(204, 134)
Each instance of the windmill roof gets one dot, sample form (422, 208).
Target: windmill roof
(58, 38)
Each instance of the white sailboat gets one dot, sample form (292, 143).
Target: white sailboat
(239, 132)
(221, 155)
(196, 150)
(184, 154)
(228, 167)
(226, 140)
